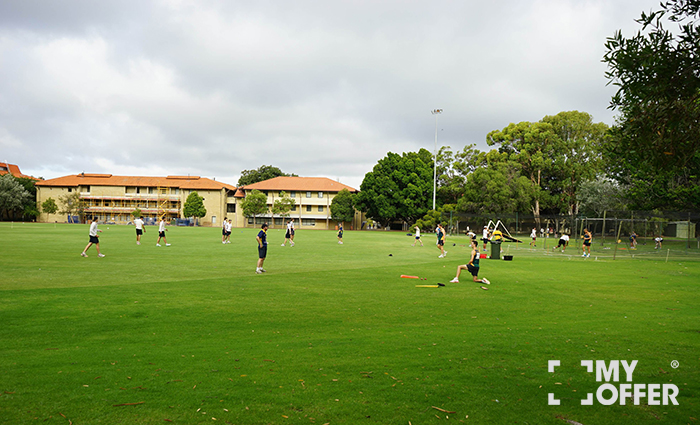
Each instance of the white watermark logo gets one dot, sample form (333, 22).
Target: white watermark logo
(609, 393)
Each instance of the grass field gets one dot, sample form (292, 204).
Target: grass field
(331, 334)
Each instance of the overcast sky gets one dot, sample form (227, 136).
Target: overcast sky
(316, 88)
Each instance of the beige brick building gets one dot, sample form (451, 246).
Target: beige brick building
(113, 198)
(312, 195)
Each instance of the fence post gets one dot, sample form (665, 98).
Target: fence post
(602, 242)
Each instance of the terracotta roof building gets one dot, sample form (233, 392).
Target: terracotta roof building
(113, 198)
(7, 168)
(312, 196)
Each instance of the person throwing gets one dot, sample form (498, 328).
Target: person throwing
(441, 240)
(417, 237)
(94, 239)
(161, 232)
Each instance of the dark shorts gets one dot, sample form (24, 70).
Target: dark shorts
(94, 239)
(292, 232)
(262, 252)
(340, 234)
(441, 243)
(417, 237)
(223, 232)
(562, 242)
(586, 243)
(139, 231)
(288, 235)
(161, 234)
(473, 270)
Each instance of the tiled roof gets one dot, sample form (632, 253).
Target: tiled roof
(182, 182)
(14, 170)
(301, 184)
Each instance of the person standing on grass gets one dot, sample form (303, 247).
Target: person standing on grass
(138, 223)
(262, 248)
(633, 240)
(228, 225)
(587, 239)
(289, 236)
(94, 239)
(563, 242)
(161, 232)
(441, 240)
(340, 233)
(472, 267)
(533, 235)
(223, 231)
(485, 236)
(417, 237)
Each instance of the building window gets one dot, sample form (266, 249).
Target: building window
(294, 207)
(278, 222)
(308, 208)
(231, 208)
(70, 190)
(320, 208)
(292, 194)
(308, 222)
(320, 194)
(308, 194)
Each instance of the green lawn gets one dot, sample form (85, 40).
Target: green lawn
(331, 334)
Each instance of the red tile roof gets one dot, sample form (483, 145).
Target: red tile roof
(14, 170)
(182, 182)
(300, 184)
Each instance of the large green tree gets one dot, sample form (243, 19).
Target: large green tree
(497, 188)
(282, 205)
(343, 206)
(194, 206)
(13, 196)
(654, 147)
(453, 169)
(71, 204)
(399, 187)
(264, 172)
(254, 204)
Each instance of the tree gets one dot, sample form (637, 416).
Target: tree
(601, 194)
(282, 205)
(399, 187)
(13, 196)
(71, 204)
(194, 206)
(579, 158)
(254, 204)
(496, 189)
(49, 206)
(342, 206)
(654, 147)
(136, 213)
(534, 147)
(264, 172)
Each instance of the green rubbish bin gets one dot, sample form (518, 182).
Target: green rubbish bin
(495, 250)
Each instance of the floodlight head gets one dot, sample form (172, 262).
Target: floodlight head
(436, 111)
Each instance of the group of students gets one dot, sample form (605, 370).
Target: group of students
(140, 229)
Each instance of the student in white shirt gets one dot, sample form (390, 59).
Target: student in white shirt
(138, 223)
(94, 239)
(161, 232)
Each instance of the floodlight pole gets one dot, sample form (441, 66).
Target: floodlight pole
(435, 112)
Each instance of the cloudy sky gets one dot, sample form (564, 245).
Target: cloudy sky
(317, 88)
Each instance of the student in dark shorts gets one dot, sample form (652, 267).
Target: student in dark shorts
(262, 248)
(340, 233)
(472, 267)
(563, 242)
(441, 240)
(94, 239)
(223, 231)
(587, 239)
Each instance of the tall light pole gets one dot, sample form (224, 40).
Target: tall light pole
(435, 112)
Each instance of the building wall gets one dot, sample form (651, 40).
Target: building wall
(303, 218)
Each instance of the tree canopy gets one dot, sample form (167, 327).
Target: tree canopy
(254, 204)
(399, 187)
(283, 205)
(194, 206)
(13, 196)
(654, 146)
(264, 172)
(343, 206)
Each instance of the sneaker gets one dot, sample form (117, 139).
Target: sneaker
(440, 256)
(455, 280)
(445, 254)
(157, 244)
(100, 255)
(486, 281)
(263, 270)
(138, 243)
(258, 271)
(83, 254)
(167, 244)
(292, 243)
(283, 245)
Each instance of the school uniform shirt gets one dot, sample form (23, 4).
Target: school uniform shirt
(533, 235)
(93, 228)
(263, 237)
(161, 226)
(139, 224)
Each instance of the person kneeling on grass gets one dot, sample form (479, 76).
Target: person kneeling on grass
(472, 267)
